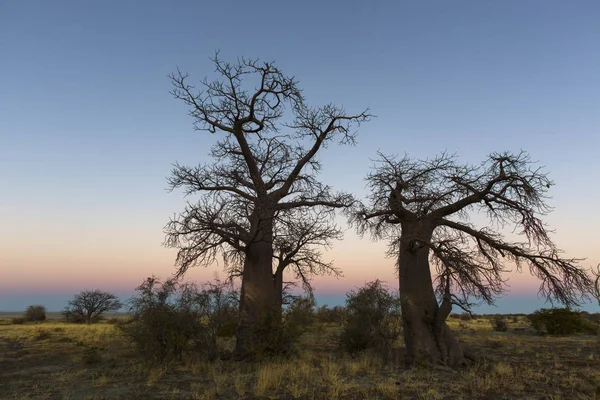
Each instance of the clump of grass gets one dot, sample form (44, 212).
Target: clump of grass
(156, 373)
(502, 369)
(388, 388)
(17, 321)
(241, 384)
(39, 333)
(91, 355)
(268, 377)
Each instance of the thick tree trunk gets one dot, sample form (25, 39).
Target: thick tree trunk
(257, 297)
(427, 337)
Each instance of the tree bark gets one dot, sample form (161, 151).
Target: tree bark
(257, 296)
(427, 337)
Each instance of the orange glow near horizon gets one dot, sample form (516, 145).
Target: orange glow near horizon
(111, 259)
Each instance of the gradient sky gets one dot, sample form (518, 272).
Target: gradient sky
(88, 130)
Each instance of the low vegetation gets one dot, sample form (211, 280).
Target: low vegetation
(177, 342)
(562, 321)
(373, 320)
(35, 313)
(55, 359)
(169, 319)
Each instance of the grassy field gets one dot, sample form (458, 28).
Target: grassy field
(55, 360)
(53, 315)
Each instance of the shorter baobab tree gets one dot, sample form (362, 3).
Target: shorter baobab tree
(89, 305)
(426, 208)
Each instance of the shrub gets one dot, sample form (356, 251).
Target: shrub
(220, 304)
(168, 319)
(17, 321)
(40, 334)
(499, 324)
(35, 313)
(91, 355)
(561, 321)
(300, 313)
(591, 317)
(373, 319)
(465, 316)
(335, 315)
(273, 335)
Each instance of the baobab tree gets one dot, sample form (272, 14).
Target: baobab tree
(424, 208)
(264, 166)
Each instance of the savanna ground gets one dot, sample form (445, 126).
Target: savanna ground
(56, 360)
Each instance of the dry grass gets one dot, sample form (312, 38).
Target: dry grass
(54, 360)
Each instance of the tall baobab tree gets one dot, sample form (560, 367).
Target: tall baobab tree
(264, 166)
(424, 207)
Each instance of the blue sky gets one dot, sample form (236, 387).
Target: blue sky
(88, 130)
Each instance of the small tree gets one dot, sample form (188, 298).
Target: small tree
(89, 305)
(35, 313)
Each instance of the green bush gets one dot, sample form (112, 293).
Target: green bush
(169, 319)
(499, 324)
(91, 355)
(561, 321)
(373, 319)
(35, 313)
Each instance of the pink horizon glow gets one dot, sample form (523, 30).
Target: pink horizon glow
(118, 262)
